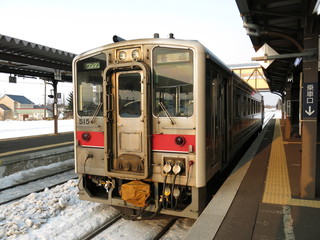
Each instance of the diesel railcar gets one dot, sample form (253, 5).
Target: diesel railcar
(155, 120)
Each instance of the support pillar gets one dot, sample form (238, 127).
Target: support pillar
(55, 106)
(309, 124)
(287, 132)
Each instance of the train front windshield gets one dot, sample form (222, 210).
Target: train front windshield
(173, 82)
(89, 85)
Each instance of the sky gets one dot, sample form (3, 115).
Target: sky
(77, 26)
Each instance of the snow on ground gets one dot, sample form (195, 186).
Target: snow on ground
(12, 129)
(58, 213)
(55, 213)
(20, 176)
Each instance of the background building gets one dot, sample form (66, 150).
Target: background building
(17, 107)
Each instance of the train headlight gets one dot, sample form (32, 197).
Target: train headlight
(85, 136)
(122, 56)
(135, 54)
(180, 140)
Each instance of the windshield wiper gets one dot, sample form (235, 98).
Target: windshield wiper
(163, 107)
(96, 113)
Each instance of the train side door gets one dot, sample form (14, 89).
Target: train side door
(221, 121)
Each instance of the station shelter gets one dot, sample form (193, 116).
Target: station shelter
(286, 33)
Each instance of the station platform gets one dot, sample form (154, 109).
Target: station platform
(260, 199)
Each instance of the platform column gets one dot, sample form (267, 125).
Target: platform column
(309, 111)
(287, 132)
(55, 106)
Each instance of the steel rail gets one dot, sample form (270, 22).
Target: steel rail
(58, 182)
(165, 229)
(103, 227)
(33, 179)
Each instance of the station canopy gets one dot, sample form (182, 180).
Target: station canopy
(27, 59)
(280, 24)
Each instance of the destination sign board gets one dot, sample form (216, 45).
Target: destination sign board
(173, 57)
(91, 65)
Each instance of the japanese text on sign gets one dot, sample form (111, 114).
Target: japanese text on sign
(310, 93)
(310, 99)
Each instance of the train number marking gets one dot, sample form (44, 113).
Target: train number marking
(84, 121)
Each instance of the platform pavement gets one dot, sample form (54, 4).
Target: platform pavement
(257, 201)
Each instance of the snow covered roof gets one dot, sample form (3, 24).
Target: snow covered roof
(19, 99)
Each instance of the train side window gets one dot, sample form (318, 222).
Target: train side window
(244, 106)
(251, 106)
(237, 105)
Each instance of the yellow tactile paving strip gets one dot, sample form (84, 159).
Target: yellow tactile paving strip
(277, 186)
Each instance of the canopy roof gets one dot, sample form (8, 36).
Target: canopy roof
(25, 58)
(280, 24)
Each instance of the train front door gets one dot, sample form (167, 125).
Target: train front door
(129, 132)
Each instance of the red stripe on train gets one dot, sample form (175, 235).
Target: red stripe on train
(167, 142)
(96, 139)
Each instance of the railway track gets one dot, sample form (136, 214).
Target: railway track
(165, 229)
(17, 190)
(105, 229)
(267, 118)
(102, 227)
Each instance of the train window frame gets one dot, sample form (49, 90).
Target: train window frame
(255, 107)
(89, 83)
(252, 107)
(129, 108)
(244, 104)
(178, 99)
(237, 105)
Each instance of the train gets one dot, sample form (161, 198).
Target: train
(155, 120)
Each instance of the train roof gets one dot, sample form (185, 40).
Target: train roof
(160, 41)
